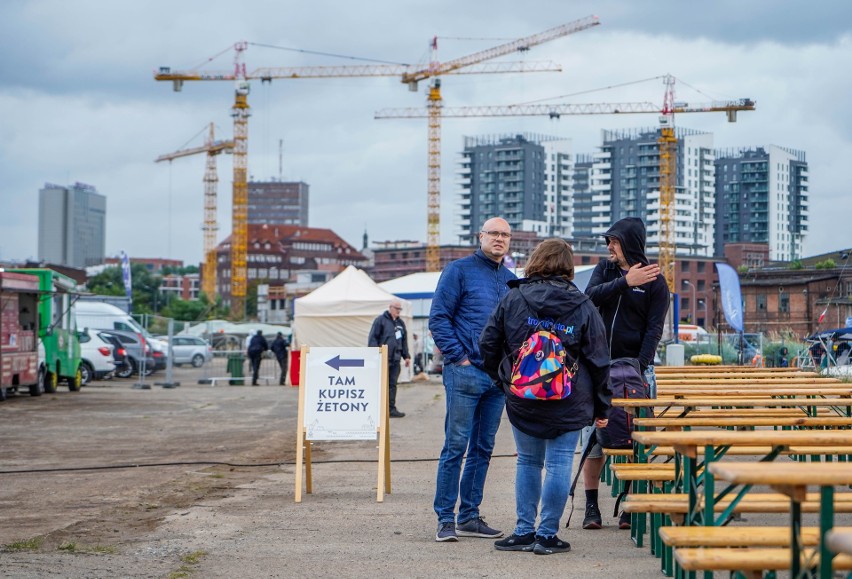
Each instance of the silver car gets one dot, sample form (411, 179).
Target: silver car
(191, 350)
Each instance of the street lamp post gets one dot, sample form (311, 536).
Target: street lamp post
(686, 281)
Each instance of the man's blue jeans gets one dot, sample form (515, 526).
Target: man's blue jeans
(556, 456)
(474, 407)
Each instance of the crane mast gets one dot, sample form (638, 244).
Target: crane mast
(471, 64)
(667, 144)
(667, 141)
(212, 148)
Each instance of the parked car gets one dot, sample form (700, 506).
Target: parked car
(191, 350)
(119, 354)
(139, 352)
(96, 361)
(104, 316)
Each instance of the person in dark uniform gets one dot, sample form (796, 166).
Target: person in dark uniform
(280, 346)
(257, 346)
(388, 329)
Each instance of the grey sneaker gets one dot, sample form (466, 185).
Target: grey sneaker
(477, 528)
(446, 532)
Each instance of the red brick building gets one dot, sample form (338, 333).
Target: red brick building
(276, 252)
(793, 300)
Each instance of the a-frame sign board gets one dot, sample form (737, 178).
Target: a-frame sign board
(343, 395)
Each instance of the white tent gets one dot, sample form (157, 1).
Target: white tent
(341, 311)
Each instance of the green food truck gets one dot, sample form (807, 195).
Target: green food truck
(57, 329)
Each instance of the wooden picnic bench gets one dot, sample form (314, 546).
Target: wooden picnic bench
(802, 390)
(663, 405)
(727, 369)
(716, 443)
(693, 420)
(740, 380)
(793, 479)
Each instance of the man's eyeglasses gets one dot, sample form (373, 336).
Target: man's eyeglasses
(397, 308)
(497, 234)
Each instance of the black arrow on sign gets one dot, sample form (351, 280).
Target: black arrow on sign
(337, 363)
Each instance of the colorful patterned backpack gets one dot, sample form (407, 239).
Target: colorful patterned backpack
(540, 371)
(541, 368)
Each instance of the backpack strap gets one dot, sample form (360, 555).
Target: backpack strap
(573, 363)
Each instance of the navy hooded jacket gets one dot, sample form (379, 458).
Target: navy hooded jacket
(634, 316)
(573, 317)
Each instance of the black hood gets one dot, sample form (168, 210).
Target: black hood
(630, 233)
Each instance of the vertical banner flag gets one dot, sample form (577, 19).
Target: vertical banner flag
(125, 275)
(732, 301)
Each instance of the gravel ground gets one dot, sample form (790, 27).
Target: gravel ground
(188, 517)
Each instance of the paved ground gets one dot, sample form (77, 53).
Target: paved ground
(182, 519)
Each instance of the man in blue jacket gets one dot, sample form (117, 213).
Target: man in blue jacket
(468, 291)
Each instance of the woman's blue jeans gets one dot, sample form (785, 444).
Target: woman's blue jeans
(556, 457)
(474, 408)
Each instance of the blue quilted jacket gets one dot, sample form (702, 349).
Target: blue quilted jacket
(468, 291)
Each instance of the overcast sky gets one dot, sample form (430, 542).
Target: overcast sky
(79, 102)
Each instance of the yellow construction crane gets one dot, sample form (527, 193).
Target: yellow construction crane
(212, 148)
(667, 141)
(410, 75)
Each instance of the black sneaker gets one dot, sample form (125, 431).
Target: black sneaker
(446, 532)
(477, 528)
(624, 520)
(394, 413)
(516, 543)
(593, 517)
(550, 546)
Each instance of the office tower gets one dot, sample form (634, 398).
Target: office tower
(762, 197)
(278, 203)
(625, 181)
(71, 225)
(524, 178)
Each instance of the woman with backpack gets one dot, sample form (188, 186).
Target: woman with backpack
(547, 345)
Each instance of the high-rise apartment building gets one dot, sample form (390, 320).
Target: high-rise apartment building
(625, 182)
(582, 196)
(278, 203)
(524, 178)
(762, 197)
(71, 225)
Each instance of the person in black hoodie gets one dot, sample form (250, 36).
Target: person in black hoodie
(257, 346)
(633, 298)
(546, 431)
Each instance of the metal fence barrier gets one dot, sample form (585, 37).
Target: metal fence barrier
(220, 370)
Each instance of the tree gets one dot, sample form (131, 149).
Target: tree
(186, 310)
(107, 283)
(144, 286)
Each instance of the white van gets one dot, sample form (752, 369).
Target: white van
(103, 316)
(691, 333)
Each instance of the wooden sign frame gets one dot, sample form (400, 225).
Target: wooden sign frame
(303, 445)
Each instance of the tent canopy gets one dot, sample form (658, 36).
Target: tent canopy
(422, 285)
(341, 311)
